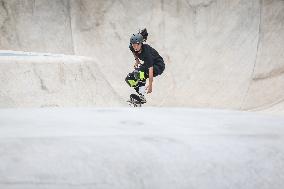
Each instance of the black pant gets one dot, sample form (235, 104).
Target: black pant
(138, 77)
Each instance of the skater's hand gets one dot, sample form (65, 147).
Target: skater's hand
(149, 89)
(136, 65)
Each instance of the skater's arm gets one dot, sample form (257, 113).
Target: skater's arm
(149, 63)
(151, 76)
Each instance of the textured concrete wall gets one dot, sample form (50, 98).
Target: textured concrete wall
(266, 84)
(218, 53)
(34, 80)
(36, 25)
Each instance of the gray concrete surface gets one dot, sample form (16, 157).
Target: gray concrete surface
(113, 148)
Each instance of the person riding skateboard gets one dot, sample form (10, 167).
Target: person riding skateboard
(152, 65)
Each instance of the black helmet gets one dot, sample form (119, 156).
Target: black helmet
(136, 38)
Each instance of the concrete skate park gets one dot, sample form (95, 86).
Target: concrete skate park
(214, 118)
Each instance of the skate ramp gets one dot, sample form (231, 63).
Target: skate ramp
(50, 80)
(222, 54)
(219, 54)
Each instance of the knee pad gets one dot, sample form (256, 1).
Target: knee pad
(139, 75)
(131, 81)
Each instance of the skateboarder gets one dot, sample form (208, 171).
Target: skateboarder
(152, 65)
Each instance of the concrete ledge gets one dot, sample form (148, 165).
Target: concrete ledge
(52, 80)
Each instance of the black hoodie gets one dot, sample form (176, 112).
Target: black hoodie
(150, 56)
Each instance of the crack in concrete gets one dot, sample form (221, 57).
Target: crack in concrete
(258, 40)
(273, 73)
(256, 55)
(4, 6)
(70, 26)
(163, 23)
(42, 84)
(195, 9)
(33, 7)
(6, 16)
(199, 5)
(14, 34)
(265, 106)
(99, 16)
(61, 74)
(93, 95)
(107, 82)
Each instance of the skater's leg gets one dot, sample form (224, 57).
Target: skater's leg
(142, 75)
(136, 78)
(158, 70)
(131, 80)
(140, 88)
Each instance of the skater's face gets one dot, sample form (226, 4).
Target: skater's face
(137, 46)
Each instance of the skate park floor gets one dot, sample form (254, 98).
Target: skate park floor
(140, 148)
